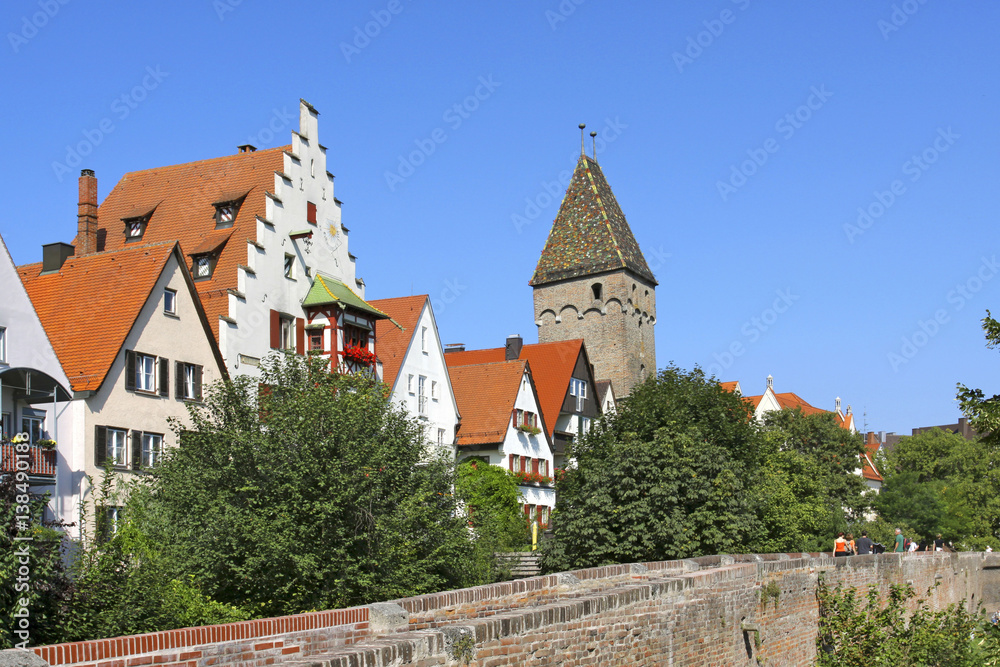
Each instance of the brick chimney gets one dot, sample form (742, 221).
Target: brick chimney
(86, 225)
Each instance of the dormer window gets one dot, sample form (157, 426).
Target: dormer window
(203, 266)
(225, 214)
(135, 228)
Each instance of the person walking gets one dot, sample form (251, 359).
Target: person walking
(864, 544)
(899, 542)
(852, 547)
(839, 546)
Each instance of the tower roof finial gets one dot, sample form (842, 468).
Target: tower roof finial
(593, 140)
(582, 148)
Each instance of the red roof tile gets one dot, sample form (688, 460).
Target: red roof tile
(485, 394)
(552, 367)
(391, 341)
(184, 196)
(729, 386)
(91, 304)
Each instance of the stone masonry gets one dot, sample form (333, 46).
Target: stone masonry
(695, 612)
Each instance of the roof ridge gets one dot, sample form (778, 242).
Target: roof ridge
(234, 156)
(604, 210)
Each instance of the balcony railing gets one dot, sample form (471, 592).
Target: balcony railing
(41, 461)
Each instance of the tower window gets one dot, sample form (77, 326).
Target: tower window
(596, 288)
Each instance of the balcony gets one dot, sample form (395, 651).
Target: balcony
(40, 461)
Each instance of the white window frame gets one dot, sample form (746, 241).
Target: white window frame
(578, 388)
(117, 447)
(152, 449)
(423, 339)
(287, 334)
(421, 394)
(440, 440)
(169, 301)
(145, 369)
(409, 383)
(189, 378)
(434, 390)
(34, 426)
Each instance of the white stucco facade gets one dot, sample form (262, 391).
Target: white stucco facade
(262, 286)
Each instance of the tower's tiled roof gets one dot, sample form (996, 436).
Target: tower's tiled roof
(590, 234)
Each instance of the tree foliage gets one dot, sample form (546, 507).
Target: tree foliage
(492, 505)
(867, 631)
(983, 412)
(307, 490)
(668, 475)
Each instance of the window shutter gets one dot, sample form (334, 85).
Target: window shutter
(300, 336)
(275, 329)
(136, 450)
(197, 383)
(534, 466)
(311, 212)
(100, 445)
(164, 365)
(510, 462)
(179, 380)
(524, 464)
(130, 370)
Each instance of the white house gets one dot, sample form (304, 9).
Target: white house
(502, 424)
(255, 229)
(412, 363)
(128, 328)
(34, 392)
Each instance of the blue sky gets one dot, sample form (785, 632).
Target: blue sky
(813, 184)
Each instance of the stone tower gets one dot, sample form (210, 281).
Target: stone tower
(592, 282)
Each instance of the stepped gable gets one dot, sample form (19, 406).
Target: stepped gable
(590, 234)
(89, 306)
(180, 202)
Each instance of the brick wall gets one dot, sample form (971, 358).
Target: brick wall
(703, 611)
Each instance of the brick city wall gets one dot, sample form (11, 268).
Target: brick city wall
(703, 611)
(619, 339)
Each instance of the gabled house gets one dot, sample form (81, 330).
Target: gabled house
(136, 347)
(873, 478)
(606, 396)
(502, 424)
(564, 378)
(34, 391)
(255, 229)
(412, 362)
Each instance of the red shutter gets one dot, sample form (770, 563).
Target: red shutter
(311, 212)
(275, 329)
(524, 464)
(300, 335)
(511, 462)
(534, 466)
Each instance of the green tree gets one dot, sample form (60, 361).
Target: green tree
(809, 487)
(983, 412)
(305, 490)
(492, 505)
(666, 476)
(26, 541)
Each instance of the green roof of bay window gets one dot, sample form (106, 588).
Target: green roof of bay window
(326, 290)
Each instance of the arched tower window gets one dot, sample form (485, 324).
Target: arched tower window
(596, 289)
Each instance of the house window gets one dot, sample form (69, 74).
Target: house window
(311, 213)
(5, 425)
(596, 289)
(440, 439)
(532, 512)
(145, 372)
(188, 381)
(116, 451)
(290, 266)
(152, 449)
(584, 425)
(203, 266)
(3, 345)
(225, 215)
(409, 383)
(421, 397)
(434, 390)
(316, 340)
(543, 467)
(287, 336)
(134, 229)
(355, 336)
(515, 463)
(423, 339)
(33, 426)
(110, 522)
(545, 515)
(578, 388)
(170, 301)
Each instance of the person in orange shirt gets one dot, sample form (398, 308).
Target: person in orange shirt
(839, 546)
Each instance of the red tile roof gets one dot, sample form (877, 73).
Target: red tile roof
(183, 197)
(790, 401)
(485, 394)
(868, 468)
(729, 386)
(391, 342)
(91, 304)
(552, 367)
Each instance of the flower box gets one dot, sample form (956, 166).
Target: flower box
(359, 355)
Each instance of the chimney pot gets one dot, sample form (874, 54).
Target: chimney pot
(246, 148)
(86, 218)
